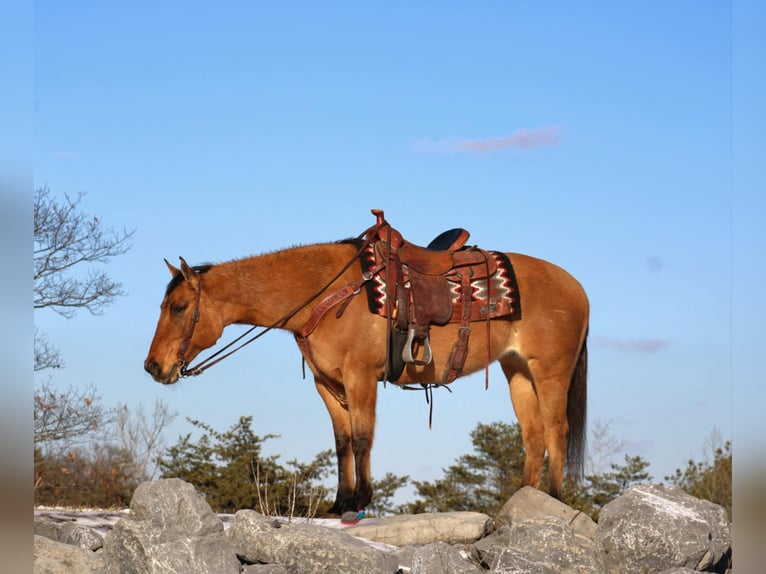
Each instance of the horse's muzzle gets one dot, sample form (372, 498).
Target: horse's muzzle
(155, 370)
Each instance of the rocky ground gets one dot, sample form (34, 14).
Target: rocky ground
(170, 528)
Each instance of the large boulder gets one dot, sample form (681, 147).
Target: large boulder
(52, 557)
(545, 545)
(653, 528)
(459, 527)
(530, 503)
(442, 558)
(304, 548)
(170, 528)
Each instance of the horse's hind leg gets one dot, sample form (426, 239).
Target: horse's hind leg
(527, 409)
(335, 401)
(552, 386)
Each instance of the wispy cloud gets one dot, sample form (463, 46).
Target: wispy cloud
(520, 139)
(631, 345)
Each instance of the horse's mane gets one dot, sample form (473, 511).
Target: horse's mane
(205, 267)
(178, 277)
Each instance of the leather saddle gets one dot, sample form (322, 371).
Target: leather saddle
(421, 283)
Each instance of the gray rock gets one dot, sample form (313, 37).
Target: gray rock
(450, 527)
(53, 557)
(304, 548)
(264, 569)
(442, 558)
(69, 533)
(170, 529)
(81, 536)
(48, 529)
(654, 528)
(530, 502)
(547, 544)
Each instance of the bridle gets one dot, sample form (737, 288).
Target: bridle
(205, 364)
(349, 290)
(184, 346)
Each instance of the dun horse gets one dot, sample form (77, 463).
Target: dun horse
(316, 292)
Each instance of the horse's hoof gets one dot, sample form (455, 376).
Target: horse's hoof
(351, 517)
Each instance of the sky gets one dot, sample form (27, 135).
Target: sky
(601, 136)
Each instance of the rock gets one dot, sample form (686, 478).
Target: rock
(654, 528)
(53, 557)
(70, 533)
(264, 569)
(450, 527)
(170, 528)
(304, 548)
(530, 502)
(545, 544)
(442, 558)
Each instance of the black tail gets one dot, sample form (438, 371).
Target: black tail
(576, 416)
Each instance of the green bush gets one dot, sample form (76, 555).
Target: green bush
(229, 468)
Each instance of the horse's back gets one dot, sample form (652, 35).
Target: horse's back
(544, 287)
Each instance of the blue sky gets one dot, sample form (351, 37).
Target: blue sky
(597, 135)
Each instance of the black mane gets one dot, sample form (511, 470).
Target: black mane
(178, 277)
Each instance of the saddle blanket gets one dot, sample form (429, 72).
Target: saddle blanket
(497, 296)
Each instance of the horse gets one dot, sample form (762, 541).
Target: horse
(542, 354)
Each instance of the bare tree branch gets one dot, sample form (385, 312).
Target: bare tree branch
(46, 355)
(141, 435)
(65, 238)
(67, 418)
(604, 446)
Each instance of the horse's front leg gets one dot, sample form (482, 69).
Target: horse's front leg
(362, 393)
(335, 400)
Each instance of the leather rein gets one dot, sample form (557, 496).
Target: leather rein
(350, 290)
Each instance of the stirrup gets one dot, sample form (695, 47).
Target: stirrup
(410, 343)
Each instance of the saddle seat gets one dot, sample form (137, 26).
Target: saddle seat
(444, 253)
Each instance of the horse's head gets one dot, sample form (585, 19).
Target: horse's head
(188, 324)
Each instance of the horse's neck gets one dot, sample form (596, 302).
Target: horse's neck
(262, 290)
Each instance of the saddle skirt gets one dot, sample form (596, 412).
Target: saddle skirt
(493, 289)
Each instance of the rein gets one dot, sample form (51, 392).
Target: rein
(352, 289)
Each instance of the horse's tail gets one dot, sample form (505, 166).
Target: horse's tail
(576, 415)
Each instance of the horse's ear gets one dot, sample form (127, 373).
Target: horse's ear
(187, 271)
(173, 270)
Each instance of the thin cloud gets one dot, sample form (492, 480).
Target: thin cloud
(631, 345)
(520, 139)
(523, 139)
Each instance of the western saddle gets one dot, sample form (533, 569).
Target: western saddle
(431, 285)
(423, 286)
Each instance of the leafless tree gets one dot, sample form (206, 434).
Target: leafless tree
(65, 238)
(64, 419)
(68, 245)
(603, 447)
(141, 435)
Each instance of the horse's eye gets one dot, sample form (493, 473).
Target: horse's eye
(178, 308)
